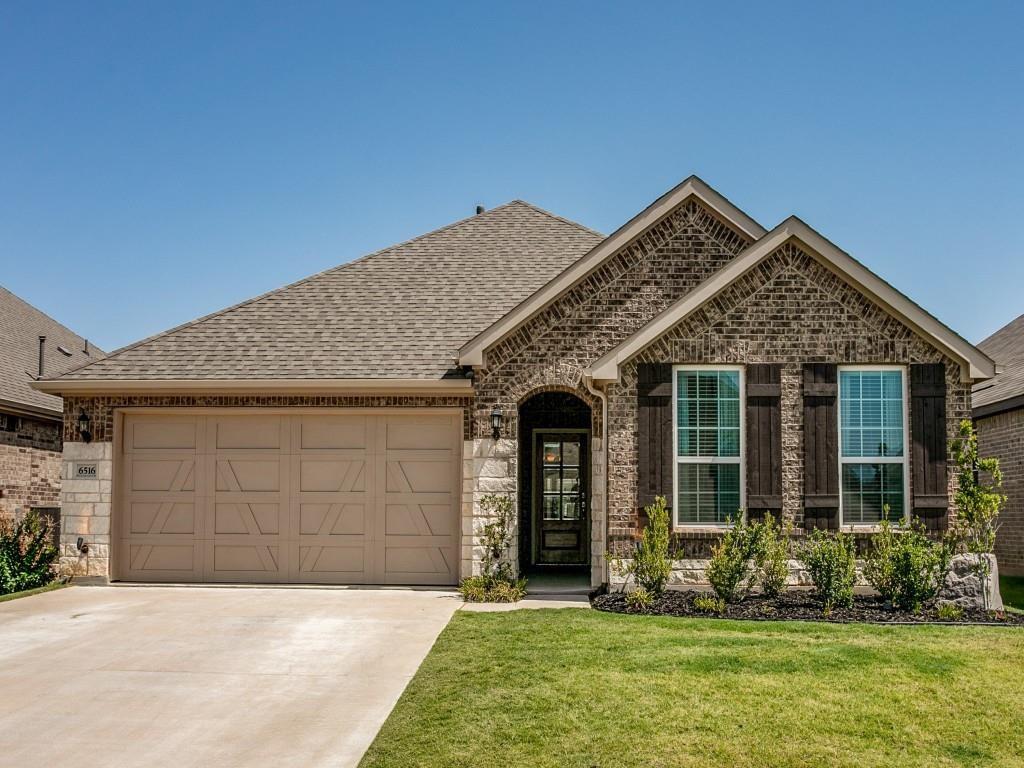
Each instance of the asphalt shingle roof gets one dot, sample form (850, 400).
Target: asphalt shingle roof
(21, 325)
(1006, 347)
(401, 312)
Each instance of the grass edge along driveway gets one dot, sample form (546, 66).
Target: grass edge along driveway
(585, 688)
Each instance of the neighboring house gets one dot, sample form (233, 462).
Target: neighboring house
(344, 429)
(999, 420)
(32, 344)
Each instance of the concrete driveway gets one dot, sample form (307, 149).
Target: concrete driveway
(201, 676)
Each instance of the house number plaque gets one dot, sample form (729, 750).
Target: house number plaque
(85, 471)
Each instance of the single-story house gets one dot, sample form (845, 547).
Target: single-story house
(999, 421)
(344, 429)
(33, 345)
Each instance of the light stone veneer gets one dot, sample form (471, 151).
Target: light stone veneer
(490, 466)
(85, 510)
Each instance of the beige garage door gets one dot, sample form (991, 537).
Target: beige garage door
(358, 498)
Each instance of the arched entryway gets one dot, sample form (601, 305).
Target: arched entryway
(554, 483)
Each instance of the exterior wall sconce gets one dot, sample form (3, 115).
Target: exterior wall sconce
(496, 418)
(82, 546)
(85, 426)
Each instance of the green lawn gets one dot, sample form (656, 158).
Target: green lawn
(1012, 590)
(29, 592)
(583, 688)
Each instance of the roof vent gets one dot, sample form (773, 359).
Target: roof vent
(42, 350)
(480, 209)
(64, 351)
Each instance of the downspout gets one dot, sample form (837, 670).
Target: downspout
(589, 384)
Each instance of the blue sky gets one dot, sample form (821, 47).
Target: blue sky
(159, 161)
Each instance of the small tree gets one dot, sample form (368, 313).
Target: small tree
(831, 560)
(651, 564)
(978, 502)
(771, 547)
(497, 537)
(729, 568)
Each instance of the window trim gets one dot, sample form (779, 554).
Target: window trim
(677, 459)
(904, 460)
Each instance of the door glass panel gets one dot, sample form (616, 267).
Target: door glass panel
(552, 507)
(571, 454)
(561, 488)
(552, 480)
(552, 453)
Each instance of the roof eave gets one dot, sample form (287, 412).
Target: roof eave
(472, 352)
(252, 386)
(975, 365)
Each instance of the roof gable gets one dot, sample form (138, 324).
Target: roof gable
(974, 364)
(21, 325)
(472, 353)
(397, 314)
(1006, 390)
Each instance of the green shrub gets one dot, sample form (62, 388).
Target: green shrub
(831, 560)
(906, 567)
(950, 612)
(709, 604)
(651, 564)
(729, 569)
(27, 556)
(484, 589)
(771, 549)
(639, 599)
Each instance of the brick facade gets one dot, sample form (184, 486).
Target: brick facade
(789, 310)
(1002, 436)
(30, 466)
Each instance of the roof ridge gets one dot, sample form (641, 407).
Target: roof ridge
(48, 316)
(555, 216)
(314, 276)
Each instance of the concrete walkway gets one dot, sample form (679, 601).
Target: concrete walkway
(200, 676)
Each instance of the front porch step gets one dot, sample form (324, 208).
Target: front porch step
(550, 584)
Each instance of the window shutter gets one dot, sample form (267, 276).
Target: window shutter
(654, 433)
(928, 438)
(764, 440)
(821, 446)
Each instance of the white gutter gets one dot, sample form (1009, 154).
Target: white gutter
(252, 386)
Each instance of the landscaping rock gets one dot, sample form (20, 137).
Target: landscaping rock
(973, 583)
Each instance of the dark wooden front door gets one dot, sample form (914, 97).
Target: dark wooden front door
(561, 480)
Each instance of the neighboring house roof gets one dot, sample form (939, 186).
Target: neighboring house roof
(472, 353)
(975, 364)
(397, 315)
(21, 325)
(1005, 391)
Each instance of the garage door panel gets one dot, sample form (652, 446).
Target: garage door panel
(337, 519)
(242, 559)
(317, 433)
(161, 517)
(248, 518)
(164, 561)
(352, 498)
(249, 433)
(332, 475)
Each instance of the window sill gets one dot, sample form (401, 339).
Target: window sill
(701, 528)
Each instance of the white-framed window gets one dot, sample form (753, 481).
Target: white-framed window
(873, 444)
(707, 406)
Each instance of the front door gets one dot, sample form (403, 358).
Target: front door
(560, 494)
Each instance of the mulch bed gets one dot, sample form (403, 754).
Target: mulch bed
(798, 606)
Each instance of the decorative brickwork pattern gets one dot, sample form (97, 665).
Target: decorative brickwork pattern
(790, 310)
(1002, 436)
(101, 409)
(622, 295)
(30, 466)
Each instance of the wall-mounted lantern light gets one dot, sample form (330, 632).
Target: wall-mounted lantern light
(496, 419)
(85, 426)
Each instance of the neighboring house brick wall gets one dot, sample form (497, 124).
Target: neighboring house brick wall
(87, 503)
(30, 466)
(1002, 436)
(790, 310)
